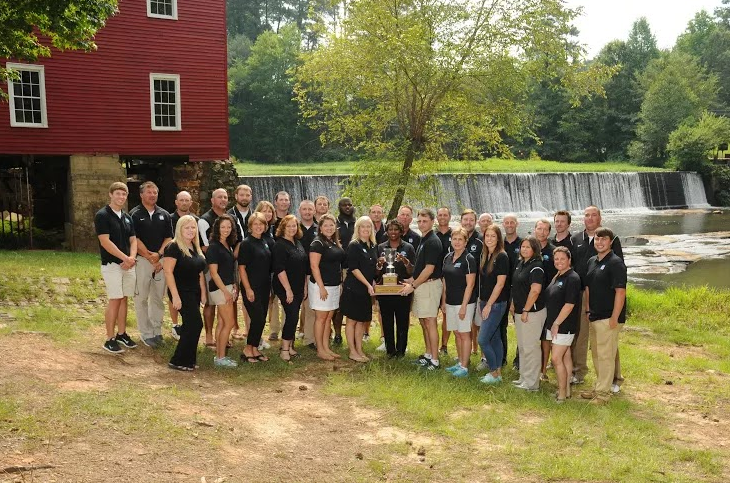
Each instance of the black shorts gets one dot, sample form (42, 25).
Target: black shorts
(356, 304)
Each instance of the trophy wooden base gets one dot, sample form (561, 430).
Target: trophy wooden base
(388, 289)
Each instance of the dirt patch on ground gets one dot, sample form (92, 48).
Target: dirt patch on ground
(281, 431)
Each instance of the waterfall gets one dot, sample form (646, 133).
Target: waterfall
(529, 194)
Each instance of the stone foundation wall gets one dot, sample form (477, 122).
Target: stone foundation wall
(89, 178)
(200, 179)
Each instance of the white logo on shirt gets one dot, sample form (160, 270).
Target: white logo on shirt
(162, 217)
(603, 266)
(457, 265)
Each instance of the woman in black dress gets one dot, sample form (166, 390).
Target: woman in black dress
(562, 298)
(356, 301)
(395, 309)
(326, 257)
(254, 269)
(290, 271)
(183, 265)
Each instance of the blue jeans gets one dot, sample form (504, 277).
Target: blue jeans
(490, 338)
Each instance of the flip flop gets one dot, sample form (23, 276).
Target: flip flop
(210, 344)
(262, 358)
(249, 359)
(238, 336)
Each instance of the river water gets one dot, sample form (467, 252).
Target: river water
(669, 248)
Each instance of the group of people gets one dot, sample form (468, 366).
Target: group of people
(320, 269)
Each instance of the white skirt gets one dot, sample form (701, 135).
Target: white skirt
(316, 303)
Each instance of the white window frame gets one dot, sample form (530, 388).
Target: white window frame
(42, 78)
(178, 109)
(157, 15)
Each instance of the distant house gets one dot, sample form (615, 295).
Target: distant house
(152, 97)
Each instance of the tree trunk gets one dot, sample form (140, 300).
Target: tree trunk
(400, 192)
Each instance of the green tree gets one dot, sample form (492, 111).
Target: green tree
(708, 39)
(692, 143)
(412, 83)
(264, 113)
(68, 24)
(677, 88)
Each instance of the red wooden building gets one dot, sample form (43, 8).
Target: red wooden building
(153, 95)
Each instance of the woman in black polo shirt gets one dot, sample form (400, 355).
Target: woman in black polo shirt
(326, 257)
(493, 299)
(290, 271)
(395, 308)
(183, 265)
(562, 298)
(267, 209)
(222, 285)
(254, 269)
(357, 292)
(458, 298)
(529, 313)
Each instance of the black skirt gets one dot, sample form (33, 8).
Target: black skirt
(356, 304)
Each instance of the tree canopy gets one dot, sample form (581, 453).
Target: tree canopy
(418, 82)
(68, 24)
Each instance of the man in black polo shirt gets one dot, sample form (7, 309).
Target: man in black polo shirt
(512, 244)
(443, 232)
(405, 216)
(474, 246)
(218, 205)
(485, 221)
(309, 230)
(242, 211)
(153, 227)
(426, 286)
(345, 228)
(563, 238)
(582, 250)
(183, 202)
(118, 249)
(605, 290)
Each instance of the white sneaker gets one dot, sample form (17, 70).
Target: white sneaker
(381, 347)
(264, 345)
(615, 388)
(300, 335)
(483, 365)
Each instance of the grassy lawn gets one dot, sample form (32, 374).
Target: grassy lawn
(667, 424)
(493, 165)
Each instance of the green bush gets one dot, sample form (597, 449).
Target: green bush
(691, 144)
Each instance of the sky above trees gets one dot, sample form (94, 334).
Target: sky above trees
(604, 21)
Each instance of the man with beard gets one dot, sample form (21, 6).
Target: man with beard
(563, 237)
(309, 229)
(241, 213)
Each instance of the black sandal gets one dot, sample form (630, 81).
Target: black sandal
(250, 359)
(262, 358)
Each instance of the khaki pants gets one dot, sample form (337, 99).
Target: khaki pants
(579, 348)
(604, 349)
(307, 317)
(148, 300)
(274, 316)
(528, 344)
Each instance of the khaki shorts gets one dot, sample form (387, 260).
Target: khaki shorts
(217, 297)
(119, 283)
(427, 299)
(560, 339)
(454, 323)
